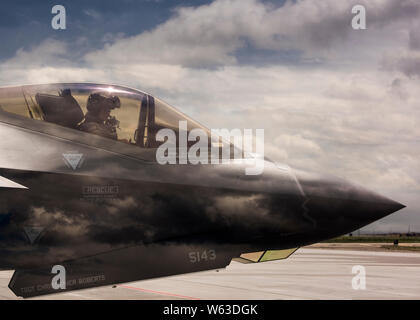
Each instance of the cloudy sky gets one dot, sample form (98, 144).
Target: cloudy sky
(330, 98)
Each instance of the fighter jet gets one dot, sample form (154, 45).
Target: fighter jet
(85, 203)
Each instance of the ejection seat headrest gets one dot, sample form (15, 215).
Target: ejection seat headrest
(62, 109)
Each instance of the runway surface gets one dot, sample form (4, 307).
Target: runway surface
(310, 273)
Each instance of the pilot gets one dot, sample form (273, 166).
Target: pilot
(98, 119)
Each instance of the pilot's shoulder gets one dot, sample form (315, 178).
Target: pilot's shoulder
(89, 125)
(97, 128)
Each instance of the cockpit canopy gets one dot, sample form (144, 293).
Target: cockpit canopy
(126, 115)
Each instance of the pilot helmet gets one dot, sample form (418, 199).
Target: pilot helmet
(99, 100)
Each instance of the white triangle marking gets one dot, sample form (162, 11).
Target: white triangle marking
(73, 159)
(6, 183)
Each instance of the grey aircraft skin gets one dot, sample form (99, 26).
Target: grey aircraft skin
(109, 213)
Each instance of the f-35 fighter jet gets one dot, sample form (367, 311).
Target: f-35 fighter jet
(85, 203)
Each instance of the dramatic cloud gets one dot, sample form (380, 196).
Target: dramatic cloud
(210, 35)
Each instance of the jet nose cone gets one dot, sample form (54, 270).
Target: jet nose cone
(391, 206)
(381, 206)
(336, 203)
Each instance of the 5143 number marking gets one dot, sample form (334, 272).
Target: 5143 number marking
(206, 255)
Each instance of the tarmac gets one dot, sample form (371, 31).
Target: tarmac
(322, 271)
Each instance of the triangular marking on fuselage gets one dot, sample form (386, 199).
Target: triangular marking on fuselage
(6, 183)
(33, 232)
(73, 159)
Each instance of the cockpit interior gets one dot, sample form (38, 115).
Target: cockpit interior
(135, 121)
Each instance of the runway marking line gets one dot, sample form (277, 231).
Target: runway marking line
(158, 292)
